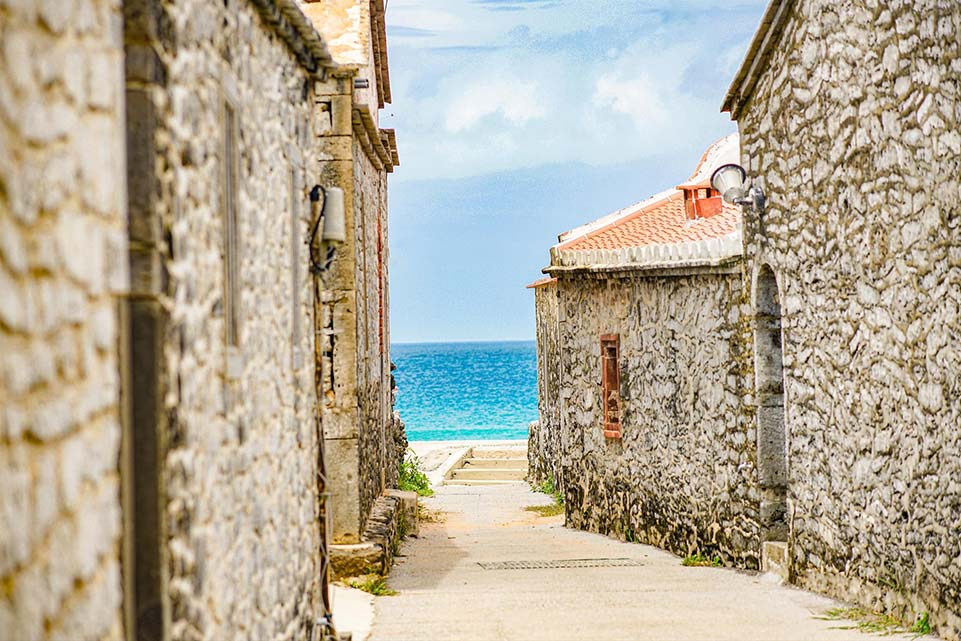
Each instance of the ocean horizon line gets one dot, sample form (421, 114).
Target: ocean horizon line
(466, 342)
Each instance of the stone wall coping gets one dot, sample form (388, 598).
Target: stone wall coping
(702, 253)
(379, 40)
(380, 145)
(729, 266)
(290, 23)
(755, 60)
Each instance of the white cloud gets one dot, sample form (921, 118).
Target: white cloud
(638, 98)
(478, 91)
(510, 98)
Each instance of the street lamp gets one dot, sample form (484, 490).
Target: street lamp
(729, 180)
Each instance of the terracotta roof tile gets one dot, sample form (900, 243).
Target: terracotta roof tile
(548, 280)
(663, 222)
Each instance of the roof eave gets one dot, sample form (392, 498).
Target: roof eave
(757, 54)
(725, 262)
(705, 252)
(379, 36)
(542, 282)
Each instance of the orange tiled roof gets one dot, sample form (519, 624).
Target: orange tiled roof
(547, 280)
(663, 222)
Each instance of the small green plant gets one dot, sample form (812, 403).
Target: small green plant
(403, 527)
(547, 487)
(701, 561)
(427, 515)
(412, 478)
(546, 510)
(373, 584)
(865, 621)
(921, 625)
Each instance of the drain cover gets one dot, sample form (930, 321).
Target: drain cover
(561, 564)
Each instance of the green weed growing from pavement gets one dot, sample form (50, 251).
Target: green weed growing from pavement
(373, 584)
(412, 478)
(546, 510)
(700, 561)
(921, 625)
(865, 621)
(547, 487)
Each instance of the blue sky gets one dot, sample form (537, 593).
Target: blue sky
(520, 119)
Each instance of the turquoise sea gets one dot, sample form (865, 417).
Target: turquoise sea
(454, 391)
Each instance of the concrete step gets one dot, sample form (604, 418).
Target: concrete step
(498, 454)
(502, 463)
(489, 474)
(477, 482)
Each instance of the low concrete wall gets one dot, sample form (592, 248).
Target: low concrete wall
(393, 517)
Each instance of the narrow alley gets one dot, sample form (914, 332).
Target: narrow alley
(449, 320)
(489, 569)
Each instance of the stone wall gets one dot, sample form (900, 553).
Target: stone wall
(373, 363)
(340, 357)
(853, 131)
(355, 32)
(544, 434)
(359, 425)
(230, 452)
(63, 272)
(683, 475)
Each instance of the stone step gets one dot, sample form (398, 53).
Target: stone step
(478, 482)
(502, 463)
(489, 474)
(498, 454)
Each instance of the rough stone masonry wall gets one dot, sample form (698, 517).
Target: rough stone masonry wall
(62, 270)
(377, 468)
(854, 131)
(544, 435)
(362, 433)
(683, 477)
(238, 433)
(339, 351)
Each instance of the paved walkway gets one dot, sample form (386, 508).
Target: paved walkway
(445, 595)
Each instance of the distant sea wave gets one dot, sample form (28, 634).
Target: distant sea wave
(455, 391)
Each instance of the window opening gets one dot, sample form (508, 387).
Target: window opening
(231, 231)
(611, 384)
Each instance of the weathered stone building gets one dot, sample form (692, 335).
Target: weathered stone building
(161, 440)
(850, 120)
(643, 372)
(364, 439)
(63, 273)
(222, 151)
(826, 362)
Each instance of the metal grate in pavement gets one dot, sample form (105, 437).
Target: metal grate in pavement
(561, 564)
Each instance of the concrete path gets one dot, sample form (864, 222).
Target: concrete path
(445, 595)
